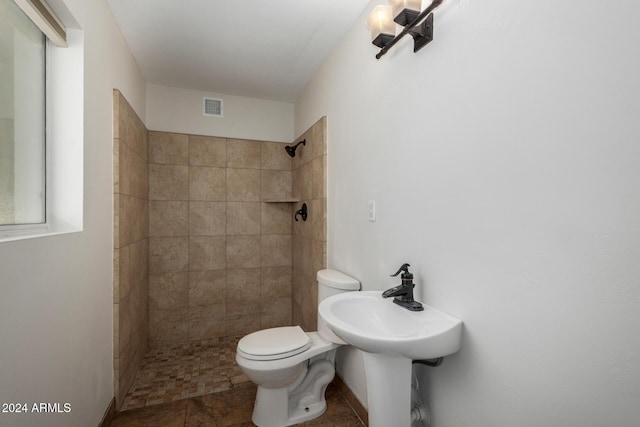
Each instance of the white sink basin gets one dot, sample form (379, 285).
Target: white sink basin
(377, 325)
(391, 337)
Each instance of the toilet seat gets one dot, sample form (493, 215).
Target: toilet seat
(274, 343)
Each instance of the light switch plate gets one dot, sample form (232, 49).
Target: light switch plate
(372, 210)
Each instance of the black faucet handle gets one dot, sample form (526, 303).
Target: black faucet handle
(404, 267)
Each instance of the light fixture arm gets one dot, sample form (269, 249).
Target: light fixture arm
(422, 35)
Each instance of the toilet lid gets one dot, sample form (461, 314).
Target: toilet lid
(274, 343)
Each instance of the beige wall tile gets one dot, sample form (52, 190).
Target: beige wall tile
(133, 266)
(316, 144)
(116, 221)
(243, 251)
(126, 368)
(274, 157)
(116, 166)
(125, 327)
(168, 182)
(136, 355)
(141, 296)
(243, 218)
(168, 218)
(133, 173)
(319, 178)
(296, 184)
(243, 185)
(318, 134)
(133, 219)
(207, 253)
(116, 276)
(168, 326)
(302, 306)
(304, 153)
(216, 199)
(144, 135)
(207, 151)
(131, 228)
(296, 314)
(125, 130)
(116, 113)
(204, 323)
(207, 183)
(168, 291)
(275, 184)
(243, 290)
(275, 282)
(218, 311)
(305, 185)
(309, 303)
(318, 256)
(168, 148)
(207, 287)
(275, 312)
(275, 250)
(168, 254)
(141, 254)
(116, 333)
(302, 248)
(242, 324)
(243, 154)
(275, 218)
(207, 218)
(131, 129)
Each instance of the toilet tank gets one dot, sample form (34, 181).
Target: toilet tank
(332, 282)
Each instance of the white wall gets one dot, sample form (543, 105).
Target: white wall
(57, 293)
(180, 110)
(505, 161)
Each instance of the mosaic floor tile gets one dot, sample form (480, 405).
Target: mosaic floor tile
(179, 371)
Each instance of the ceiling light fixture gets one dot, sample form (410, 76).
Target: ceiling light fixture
(407, 14)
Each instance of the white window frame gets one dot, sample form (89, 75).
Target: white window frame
(64, 140)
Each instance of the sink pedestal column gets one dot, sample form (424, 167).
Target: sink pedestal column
(388, 389)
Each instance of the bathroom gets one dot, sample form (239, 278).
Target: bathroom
(503, 161)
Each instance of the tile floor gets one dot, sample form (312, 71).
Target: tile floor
(230, 408)
(199, 384)
(179, 371)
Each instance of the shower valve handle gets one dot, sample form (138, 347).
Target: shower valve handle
(302, 212)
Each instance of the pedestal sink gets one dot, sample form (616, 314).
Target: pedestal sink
(391, 337)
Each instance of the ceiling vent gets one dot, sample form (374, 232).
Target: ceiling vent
(212, 107)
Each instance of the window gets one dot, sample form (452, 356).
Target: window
(22, 118)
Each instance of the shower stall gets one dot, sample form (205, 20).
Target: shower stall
(205, 246)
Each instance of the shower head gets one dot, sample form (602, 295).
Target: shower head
(291, 150)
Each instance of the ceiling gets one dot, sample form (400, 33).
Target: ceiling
(255, 48)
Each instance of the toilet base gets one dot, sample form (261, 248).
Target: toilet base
(280, 407)
(268, 409)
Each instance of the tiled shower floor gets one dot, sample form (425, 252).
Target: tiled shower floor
(180, 371)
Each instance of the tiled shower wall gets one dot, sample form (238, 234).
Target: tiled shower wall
(131, 244)
(219, 254)
(310, 237)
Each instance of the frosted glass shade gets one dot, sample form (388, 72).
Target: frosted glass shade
(381, 25)
(405, 11)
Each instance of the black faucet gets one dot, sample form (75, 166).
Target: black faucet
(403, 293)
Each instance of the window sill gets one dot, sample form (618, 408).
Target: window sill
(32, 233)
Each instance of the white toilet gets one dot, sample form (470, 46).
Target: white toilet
(292, 368)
